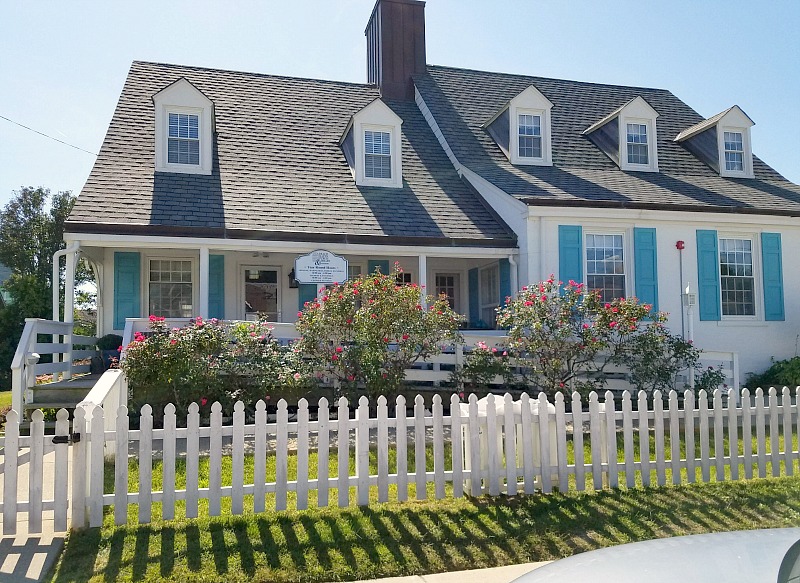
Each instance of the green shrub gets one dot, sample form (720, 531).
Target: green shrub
(365, 333)
(782, 373)
(562, 338)
(204, 362)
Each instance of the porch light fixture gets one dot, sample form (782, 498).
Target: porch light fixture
(293, 283)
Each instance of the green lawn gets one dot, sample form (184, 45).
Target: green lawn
(327, 544)
(418, 537)
(5, 399)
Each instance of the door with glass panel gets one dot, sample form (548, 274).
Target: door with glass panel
(261, 293)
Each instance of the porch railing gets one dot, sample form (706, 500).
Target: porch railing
(39, 339)
(438, 368)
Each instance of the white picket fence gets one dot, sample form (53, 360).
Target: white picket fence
(496, 446)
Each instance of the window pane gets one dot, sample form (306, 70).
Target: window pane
(605, 265)
(736, 277)
(637, 143)
(530, 132)
(377, 166)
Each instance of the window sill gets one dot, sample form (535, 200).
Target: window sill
(742, 323)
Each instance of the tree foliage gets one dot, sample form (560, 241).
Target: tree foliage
(31, 231)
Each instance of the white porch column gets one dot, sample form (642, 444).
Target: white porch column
(423, 279)
(202, 302)
(69, 307)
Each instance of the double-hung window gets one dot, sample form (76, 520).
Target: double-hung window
(377, 154)
(637, 144)
(170, 288)
(529, 130)
(734, 151)
(605, 265)
(183, 141)
(737, 281)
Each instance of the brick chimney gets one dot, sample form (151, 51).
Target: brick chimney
(396, 46)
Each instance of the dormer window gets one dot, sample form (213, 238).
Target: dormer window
(372, 144)
(377, 154)
(722, 142)
(529, 131)
(734, 151)
(184, 129)
(183, 144)
(637, 144)
(522, 129)
(627, 135)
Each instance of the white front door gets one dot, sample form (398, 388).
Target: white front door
(260, 293)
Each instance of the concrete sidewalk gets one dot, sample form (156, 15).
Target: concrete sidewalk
(493, 575)
(27, 557)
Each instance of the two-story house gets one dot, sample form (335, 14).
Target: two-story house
(210, 183)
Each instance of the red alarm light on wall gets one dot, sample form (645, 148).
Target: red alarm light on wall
(680, 245)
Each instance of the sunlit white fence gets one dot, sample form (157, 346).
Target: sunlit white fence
(495, 446)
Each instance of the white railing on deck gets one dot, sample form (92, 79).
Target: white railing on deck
(110, 393)
(25, 366)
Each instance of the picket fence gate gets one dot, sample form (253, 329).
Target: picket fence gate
(497, 446)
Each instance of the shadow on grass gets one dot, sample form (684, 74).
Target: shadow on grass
(418, 537)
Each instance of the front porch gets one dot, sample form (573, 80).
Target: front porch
(243, 280)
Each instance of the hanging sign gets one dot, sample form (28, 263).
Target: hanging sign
(320, 266)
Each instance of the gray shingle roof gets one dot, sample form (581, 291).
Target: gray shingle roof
(279, 172)
(463, 100)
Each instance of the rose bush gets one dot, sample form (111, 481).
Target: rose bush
(562, 338)
(205, 362)
(364, 333)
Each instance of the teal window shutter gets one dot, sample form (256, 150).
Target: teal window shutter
(216, 286)
(645, 259)
(306, 292)
(708, 275)
(474, 300)
(773, 276)
(382, 263)
(505, 281)
(570, 253)
(127, 287)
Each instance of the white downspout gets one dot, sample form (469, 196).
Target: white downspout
(514, 275)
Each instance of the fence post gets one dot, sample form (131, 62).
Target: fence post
(79, 469)
(10, 472)
(362, 451)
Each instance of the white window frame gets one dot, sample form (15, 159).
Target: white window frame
(652, 151)
(758, 310)
(198, 113)
(747, 153)
(195, 278)
(387, 131)
(361, 266)
(531, 160)
(396, 179)
(627, 259)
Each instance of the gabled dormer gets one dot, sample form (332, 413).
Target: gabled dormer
(184, 129)
(522, 129)
(722, 142)
(627, 135)
(372, 146)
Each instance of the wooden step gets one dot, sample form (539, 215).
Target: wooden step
(47, 393)
(51, 405)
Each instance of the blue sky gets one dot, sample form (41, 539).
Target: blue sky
(63, 64)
